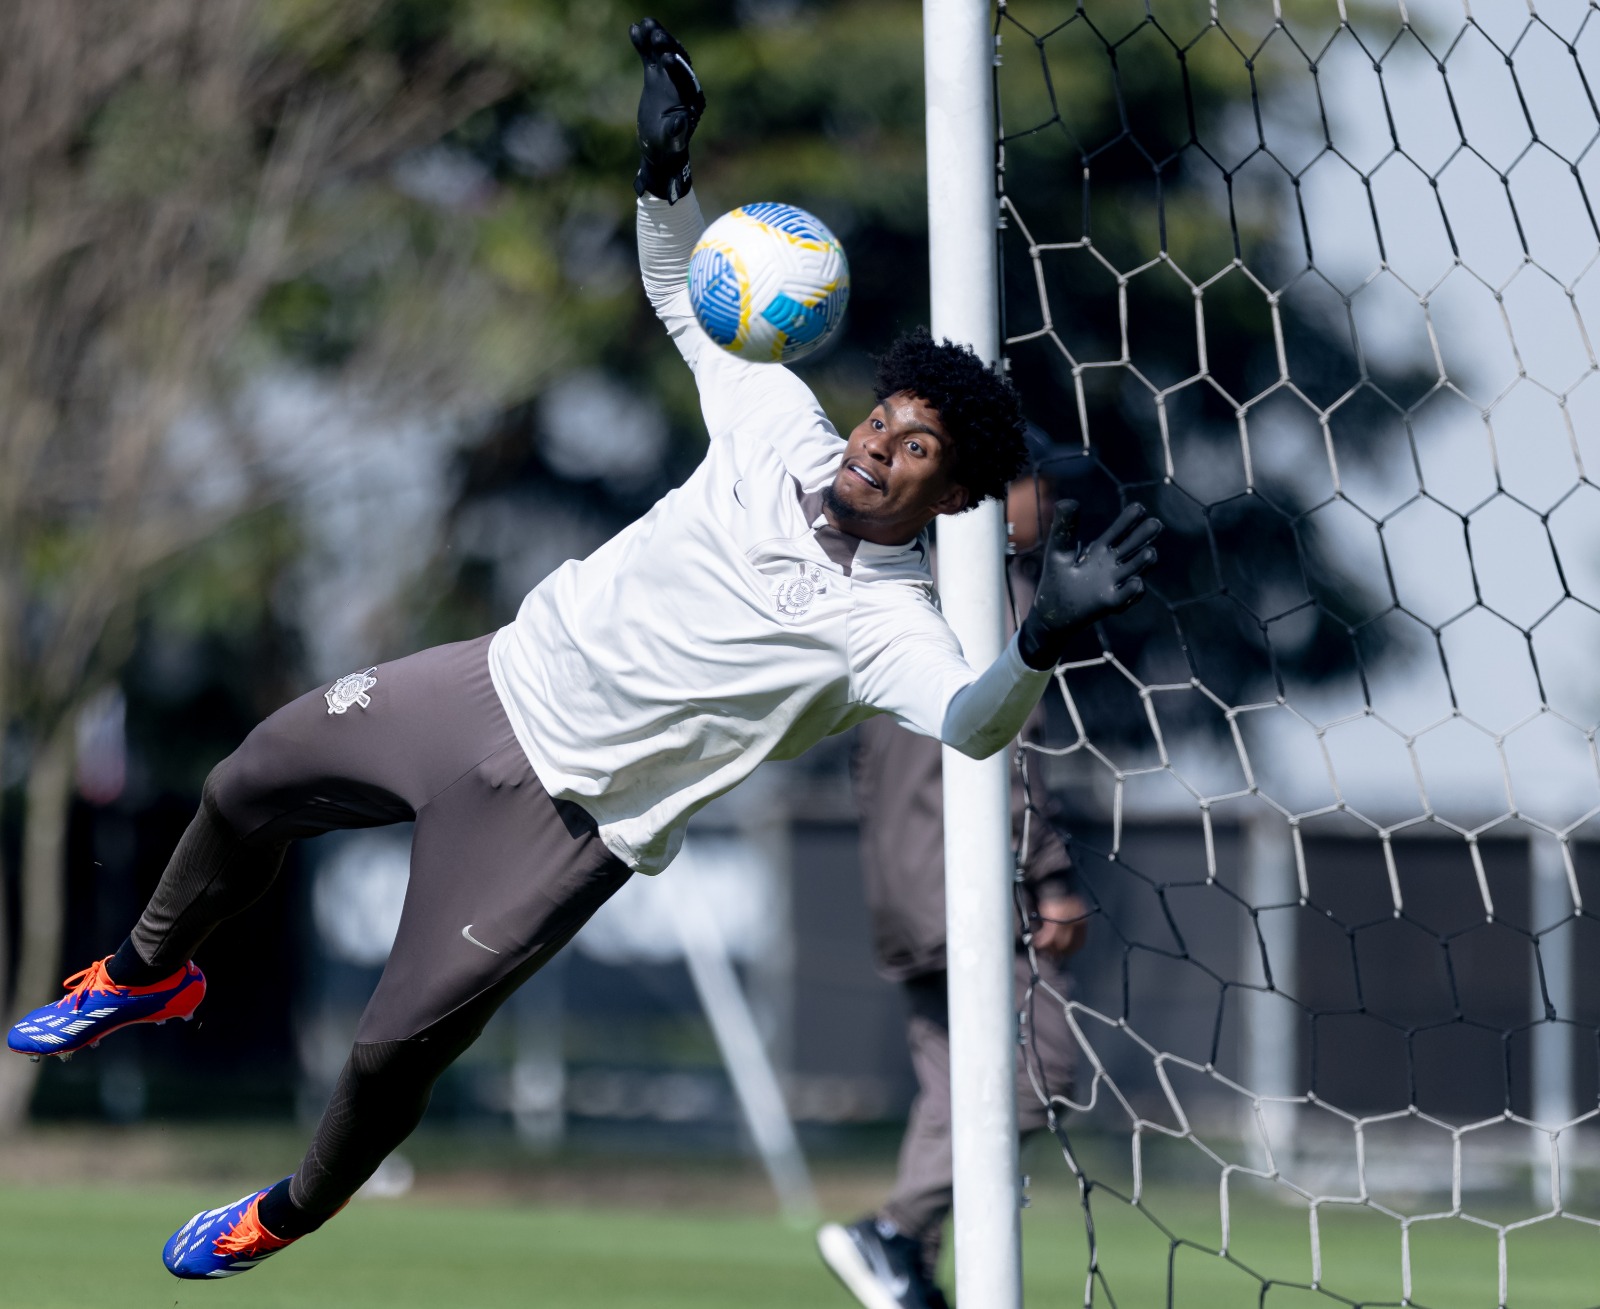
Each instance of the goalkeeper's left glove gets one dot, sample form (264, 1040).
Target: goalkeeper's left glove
(669, 109)
(1080, 585)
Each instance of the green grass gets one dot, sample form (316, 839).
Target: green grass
(1454, 1263)
(82, 1249)
(87, 1248)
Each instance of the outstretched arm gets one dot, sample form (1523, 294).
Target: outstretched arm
(923, 680)
(669, 223)
(669, 219)
(666, 239)
(670, 105)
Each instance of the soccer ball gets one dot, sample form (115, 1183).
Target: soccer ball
(768, 282)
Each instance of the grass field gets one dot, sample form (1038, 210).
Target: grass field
(80, 1248)
(455, 1246)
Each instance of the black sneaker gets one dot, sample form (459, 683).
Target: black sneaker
(882, 1269)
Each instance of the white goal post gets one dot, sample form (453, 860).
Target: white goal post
(963, 281)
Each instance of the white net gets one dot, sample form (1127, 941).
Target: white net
(1315, 283)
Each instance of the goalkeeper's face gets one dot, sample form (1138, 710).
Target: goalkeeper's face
(894, 478)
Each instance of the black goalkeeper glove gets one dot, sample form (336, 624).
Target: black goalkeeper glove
(1080, 585)
(669, 110)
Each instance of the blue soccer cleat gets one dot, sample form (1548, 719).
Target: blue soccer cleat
(95, 1006)
(222, 1242)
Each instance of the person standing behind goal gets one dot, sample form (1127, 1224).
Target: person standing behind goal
(887, 1259)
(779, 596)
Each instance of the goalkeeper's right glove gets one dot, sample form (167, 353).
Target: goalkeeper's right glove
(1080, 585)
(669, 109)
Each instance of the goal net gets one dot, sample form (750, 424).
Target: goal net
(1315, 283)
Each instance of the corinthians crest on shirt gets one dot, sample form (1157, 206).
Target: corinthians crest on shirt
(795, 594)
(351, 689)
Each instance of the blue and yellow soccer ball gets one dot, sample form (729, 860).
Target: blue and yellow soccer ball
(769, 282)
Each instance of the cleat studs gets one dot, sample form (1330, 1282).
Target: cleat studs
(65, 1057)
(33, 1058)
(161, 1022)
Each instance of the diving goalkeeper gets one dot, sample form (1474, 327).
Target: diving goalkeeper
(779, 596)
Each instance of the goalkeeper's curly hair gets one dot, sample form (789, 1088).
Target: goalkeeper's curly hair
(978, 407)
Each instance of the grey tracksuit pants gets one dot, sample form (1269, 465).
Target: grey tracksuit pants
(502, 876)
(922, 1195)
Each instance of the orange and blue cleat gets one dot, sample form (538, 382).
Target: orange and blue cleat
(222, 1242)
(95, 1006)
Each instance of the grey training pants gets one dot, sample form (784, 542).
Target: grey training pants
(922, 1195)
(502, 876)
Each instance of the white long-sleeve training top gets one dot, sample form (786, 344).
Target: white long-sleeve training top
(731, 624)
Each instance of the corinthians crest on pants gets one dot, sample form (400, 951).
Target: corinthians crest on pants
(795, 594)
(350, 689)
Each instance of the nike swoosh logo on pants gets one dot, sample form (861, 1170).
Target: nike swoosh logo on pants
(467, 932)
